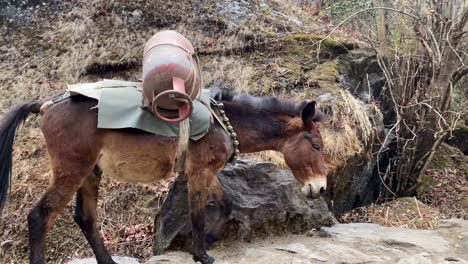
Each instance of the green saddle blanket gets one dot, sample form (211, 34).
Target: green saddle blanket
(120, 107)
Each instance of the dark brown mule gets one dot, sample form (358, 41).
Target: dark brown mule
(79, 151)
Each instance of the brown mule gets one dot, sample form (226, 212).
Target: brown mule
(80, 152)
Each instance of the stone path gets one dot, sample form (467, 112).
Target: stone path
(342, 243)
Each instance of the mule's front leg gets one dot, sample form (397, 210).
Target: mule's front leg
(207, 157)
(197, 198)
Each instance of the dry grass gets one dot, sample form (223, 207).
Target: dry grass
(232, 71)
(269, 155)
(347, 130)
(403, 212)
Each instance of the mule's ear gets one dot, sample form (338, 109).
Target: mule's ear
(308, 113)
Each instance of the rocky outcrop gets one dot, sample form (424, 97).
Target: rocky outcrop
(353, 96)
(345, 243)
(459, 138)
(266, 200)
(360, 73)
(119, 260)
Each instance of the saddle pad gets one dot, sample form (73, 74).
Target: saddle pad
(119, 107)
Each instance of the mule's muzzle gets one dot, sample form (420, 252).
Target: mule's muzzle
(314, 188)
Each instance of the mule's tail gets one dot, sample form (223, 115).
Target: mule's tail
(8, 126)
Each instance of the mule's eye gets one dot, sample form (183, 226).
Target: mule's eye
(316, 146)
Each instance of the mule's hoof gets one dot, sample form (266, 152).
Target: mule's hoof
(204, 260)
(208, 260)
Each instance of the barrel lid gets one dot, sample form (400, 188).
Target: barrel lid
(169, 37)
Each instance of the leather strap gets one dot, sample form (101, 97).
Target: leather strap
(216, 115)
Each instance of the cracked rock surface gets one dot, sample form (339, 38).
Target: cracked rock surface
(345, 243)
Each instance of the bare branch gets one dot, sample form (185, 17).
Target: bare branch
(457, 36)
(452, 48)
(421, 38)
(436, 44)
(362, 11)
(460, 25)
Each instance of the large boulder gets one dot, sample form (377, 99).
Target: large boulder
(360, 73)
(459, 138)
(266, 200)
(351, 93)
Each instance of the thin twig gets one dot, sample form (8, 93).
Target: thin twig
(362, 11)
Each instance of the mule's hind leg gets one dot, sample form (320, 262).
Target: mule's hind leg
(42, 216)
(86, 216)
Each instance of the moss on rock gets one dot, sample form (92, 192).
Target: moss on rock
(441, 160)
(307, 41)
(327, 72)
(309, 45)
(427, 182)
(293, 70)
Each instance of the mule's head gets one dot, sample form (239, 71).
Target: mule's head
(217, 214)
(303, 151)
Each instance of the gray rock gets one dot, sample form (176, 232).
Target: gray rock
(312, 233)
(119, 260)
(136, 16)
(348, 253)
(453, 259)
(326, 97)
(137, 13)
(318, 258)
(324, 233)
(465, 242)
(393, 242)
(459, 138)
(428, 240)
(448, 223)
(351, 244)
(164, 259)
(358, 182)
(266, 200)
(301, 249)
(421, 258)
(235, 11)
(362, 74)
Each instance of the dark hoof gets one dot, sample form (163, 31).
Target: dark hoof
(204, 260)
(208, 260)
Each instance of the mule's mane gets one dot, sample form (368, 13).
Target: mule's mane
(269, 104)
